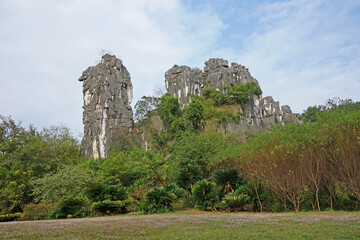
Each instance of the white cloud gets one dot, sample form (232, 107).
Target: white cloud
(302, 52)
(305, 52)
(45, 46)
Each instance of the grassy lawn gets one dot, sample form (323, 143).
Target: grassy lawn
(193, 224)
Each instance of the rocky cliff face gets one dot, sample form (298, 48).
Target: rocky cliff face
(181, 81)
(108, 92)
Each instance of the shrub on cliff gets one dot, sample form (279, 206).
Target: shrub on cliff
(195, 113)
(238, 93)
(169, 109)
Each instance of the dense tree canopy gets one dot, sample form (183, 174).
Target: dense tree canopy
(310, 166)
(28, 155)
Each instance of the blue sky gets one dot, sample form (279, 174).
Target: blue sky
(302, 52)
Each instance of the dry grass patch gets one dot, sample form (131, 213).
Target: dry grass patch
(192, 225)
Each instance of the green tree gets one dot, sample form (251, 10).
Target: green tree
(169, 109)
(194, 112)
(134, 167)
(241, 93)
(206, 150)
(27, 155)
(255, 192)
(180, 127)
(16, 190)
(144, 106)
(68, 182)
(238, 93)
(218, 97)
(311, 113)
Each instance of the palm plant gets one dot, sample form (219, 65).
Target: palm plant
(115, 193)
(205, 195)
(256, 193)
(235, 202)
(95, 191)
(159, 200)
(98, 192)
(226, 180)
(188, 175)
(110, 207)
(175, 189)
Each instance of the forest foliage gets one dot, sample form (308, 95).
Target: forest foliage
(313, 166)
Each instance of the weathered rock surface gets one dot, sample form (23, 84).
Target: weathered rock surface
(182, 81)
(108, 92)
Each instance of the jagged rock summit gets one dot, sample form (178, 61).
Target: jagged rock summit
(181, 81)
(108, 92)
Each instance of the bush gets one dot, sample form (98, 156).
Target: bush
(218, 97)
(226, 180)
(187, 176)
(71, 206)
(98, 192)
(10, 217)
(175, 189)
(256, 192)
(180, 126)
(239, 93)
(159, 200)
(115, 193)
(67, 182)
(235, 202)
(205, 195)
(110, 207)
(169, 109)
(210, 93)
(195, 113)
(37, 211)
(144, 106)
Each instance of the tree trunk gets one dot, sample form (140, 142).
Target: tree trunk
(258, 198)
(317, 198)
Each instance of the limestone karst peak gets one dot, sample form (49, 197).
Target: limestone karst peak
(108, 92)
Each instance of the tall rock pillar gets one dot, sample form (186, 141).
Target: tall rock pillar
(108, 92)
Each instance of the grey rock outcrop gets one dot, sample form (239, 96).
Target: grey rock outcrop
(108, 92)
(182, 81)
